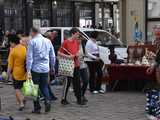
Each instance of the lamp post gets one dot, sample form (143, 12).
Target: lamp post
(28, 15)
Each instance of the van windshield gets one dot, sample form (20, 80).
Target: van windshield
(104, 38)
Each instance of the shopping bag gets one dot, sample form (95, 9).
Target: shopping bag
(30, 89)
(35, 90)
(66, 66)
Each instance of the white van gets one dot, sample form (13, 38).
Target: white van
(104, 40)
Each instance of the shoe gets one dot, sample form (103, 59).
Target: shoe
(101, 91)
(36, 112)
(21, 108)
(64, 102)
(42, 99)
(54, 99)
(95, 92)
(47, 107)
(84, 99)
(81, 103)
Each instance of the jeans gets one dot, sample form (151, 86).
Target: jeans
(95, 75)
(41, 79)
(84, 80)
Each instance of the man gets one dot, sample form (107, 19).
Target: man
(94, 64)
(40, 56)
(71, 45)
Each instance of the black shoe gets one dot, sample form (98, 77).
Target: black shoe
(54, 99)
(21, 108)
(84, 99)
(64, 102)
(81, 103)
(47, 107)
(36, 111)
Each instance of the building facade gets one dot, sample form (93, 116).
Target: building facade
(22, 14)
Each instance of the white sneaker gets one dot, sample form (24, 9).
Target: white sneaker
(95, 92)
(101, 91)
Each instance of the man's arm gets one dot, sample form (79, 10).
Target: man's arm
(29, 59)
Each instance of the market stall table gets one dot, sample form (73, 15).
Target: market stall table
(128, 73)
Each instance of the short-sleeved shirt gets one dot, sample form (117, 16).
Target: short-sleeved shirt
(72, 47)
(17, 62)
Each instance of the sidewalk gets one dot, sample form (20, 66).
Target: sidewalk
(110, 106)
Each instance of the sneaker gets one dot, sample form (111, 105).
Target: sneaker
(36, 112)
(47, 107)
(101, 91)
(21, 108)
(95, 92)
(54, 99)
(64, 102)
(81, 103)
(84, 99)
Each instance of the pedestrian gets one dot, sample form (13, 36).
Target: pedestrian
(71, 45)
(16, 68)
(94, 64)
(83, 69)
(51, 37)
(153, 90)
(40, 60)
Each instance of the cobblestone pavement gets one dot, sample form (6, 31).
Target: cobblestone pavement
(109, 106)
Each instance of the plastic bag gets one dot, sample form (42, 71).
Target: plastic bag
(30, 89)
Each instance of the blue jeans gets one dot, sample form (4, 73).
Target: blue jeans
(41, 79)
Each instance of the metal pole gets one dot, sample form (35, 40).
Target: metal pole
(51, 13)
(102, 5)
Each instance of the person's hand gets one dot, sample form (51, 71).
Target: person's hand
(150, 70)
(71, 56)
(29, 76)
(98, 59)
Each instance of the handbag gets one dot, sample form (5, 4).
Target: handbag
(66, 65)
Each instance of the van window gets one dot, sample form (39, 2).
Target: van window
(104, 38)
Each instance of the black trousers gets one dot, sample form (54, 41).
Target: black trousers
(84, 79)
(95, 75)
(76, 85)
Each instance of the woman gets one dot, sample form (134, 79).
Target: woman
(16, 68)
(94, 64)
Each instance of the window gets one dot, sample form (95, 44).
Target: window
(153, 18)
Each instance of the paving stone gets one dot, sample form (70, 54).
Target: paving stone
(109, 106)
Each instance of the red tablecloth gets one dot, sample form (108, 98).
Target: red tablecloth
(129, 72)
